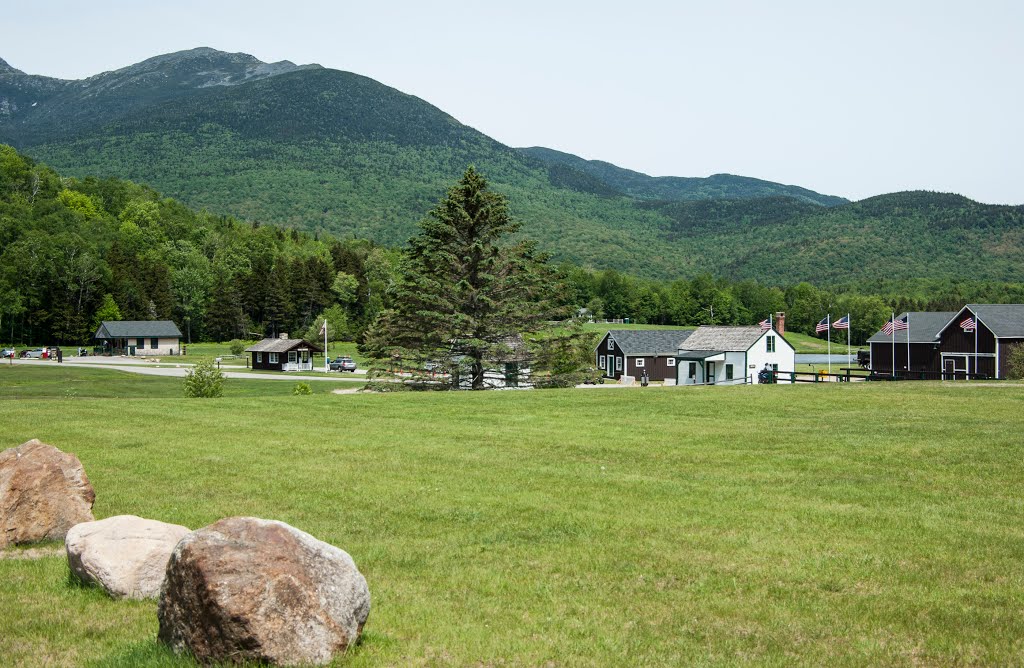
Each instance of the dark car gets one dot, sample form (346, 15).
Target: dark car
(342, 364)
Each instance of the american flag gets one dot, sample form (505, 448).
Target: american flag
(968, 324)
(765, 324)
(323, 328)
(894, 324)
(842, 323)
(901, 324)
(822, 326)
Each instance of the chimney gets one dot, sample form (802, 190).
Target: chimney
(780, 322)
(283, 335)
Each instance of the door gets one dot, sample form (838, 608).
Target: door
(610, 362)
(711, 373)
(948, 368)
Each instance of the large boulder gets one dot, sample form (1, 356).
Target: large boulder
(43, 493)
(247, 589)
(126, 555)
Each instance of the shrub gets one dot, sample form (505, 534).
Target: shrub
(237, 347)
(1015, 362)
(204, 380)
(302, 388)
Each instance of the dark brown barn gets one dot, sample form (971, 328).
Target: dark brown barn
(943, 345)
(283, 354)
(924, 344)
(630, 352)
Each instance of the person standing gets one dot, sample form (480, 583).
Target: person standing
(60, 356)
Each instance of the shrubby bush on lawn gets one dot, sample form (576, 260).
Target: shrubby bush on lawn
(1015, 362)
(204, 380)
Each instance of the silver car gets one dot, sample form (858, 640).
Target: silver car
(35, 353)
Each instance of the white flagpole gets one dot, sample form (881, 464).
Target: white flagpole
(849, 358)
(908, 343)
(976, 323)
(327, 367)
(828, 335)
(892, 333)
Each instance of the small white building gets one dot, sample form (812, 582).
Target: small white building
(732, 355)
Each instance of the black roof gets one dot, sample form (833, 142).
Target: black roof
(133, 329)
(1006, 321)
(924, 327)
(649, 342)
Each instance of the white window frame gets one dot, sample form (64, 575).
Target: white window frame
(618, 364)
(600, 361)
(272, 358)
(259, 358)
(639, 362)
(293, 357)
(671, 361)
(611, 344)
(769, 343)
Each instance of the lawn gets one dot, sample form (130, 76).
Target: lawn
(841, 525)
(70, 382)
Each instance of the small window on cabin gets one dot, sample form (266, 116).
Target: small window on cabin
(728, 372)
(273, 358)
(140, 344)
(770, 343)
(639, 362)
(693, 370)
(618, 364)
(671, 361)
(600, 361)
(291, 357)
(775, 368)
(154, 343)
(611, 344)
(259, 357)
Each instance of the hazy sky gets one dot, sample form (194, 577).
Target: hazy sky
(846, 98)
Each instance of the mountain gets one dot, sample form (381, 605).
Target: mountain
(642, 186)
(318, 149)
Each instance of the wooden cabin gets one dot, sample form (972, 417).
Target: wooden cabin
(138, 338)
(630, 352)
(283, 354)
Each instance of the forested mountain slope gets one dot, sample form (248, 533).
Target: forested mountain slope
(322, 150)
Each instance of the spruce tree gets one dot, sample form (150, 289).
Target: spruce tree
(465, 299)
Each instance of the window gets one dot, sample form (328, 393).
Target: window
(259, 357)
(775, 368)
(618, 364)
(154, 343)
(770, 343)
(693, 370)
(600, 361)
(291, 357)
(671, 361)
(728, 372)
(272, 358)
(140, 344)
(611, 344)
(639, 362)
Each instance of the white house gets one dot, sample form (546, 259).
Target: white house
(732, 355)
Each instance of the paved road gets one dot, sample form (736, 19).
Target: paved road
(150, 369)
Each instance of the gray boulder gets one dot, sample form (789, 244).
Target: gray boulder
(43, 493)
(125, 555)
(247, 589)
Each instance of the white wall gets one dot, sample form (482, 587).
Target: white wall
(758, 355)
(166, 347)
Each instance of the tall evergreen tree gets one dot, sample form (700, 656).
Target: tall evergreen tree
(464, 299)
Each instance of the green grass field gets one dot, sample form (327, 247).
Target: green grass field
(840, 525)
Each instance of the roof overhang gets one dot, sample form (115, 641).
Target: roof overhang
(701, 355)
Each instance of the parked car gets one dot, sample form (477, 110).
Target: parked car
(34, 353)
(342, 364)
(8, 352)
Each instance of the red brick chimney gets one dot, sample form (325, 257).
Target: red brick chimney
(780, 322)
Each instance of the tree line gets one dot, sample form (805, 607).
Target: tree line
(74, 252)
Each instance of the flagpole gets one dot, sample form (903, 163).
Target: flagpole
(892, 333)
(849, 358)
(976, 323)
(828, 335)
(327, 367)
(908, 343)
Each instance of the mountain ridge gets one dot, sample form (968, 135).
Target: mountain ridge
(319, 149)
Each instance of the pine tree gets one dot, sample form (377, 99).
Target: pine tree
(464, 300)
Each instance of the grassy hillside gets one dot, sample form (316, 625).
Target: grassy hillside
(574, 533)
